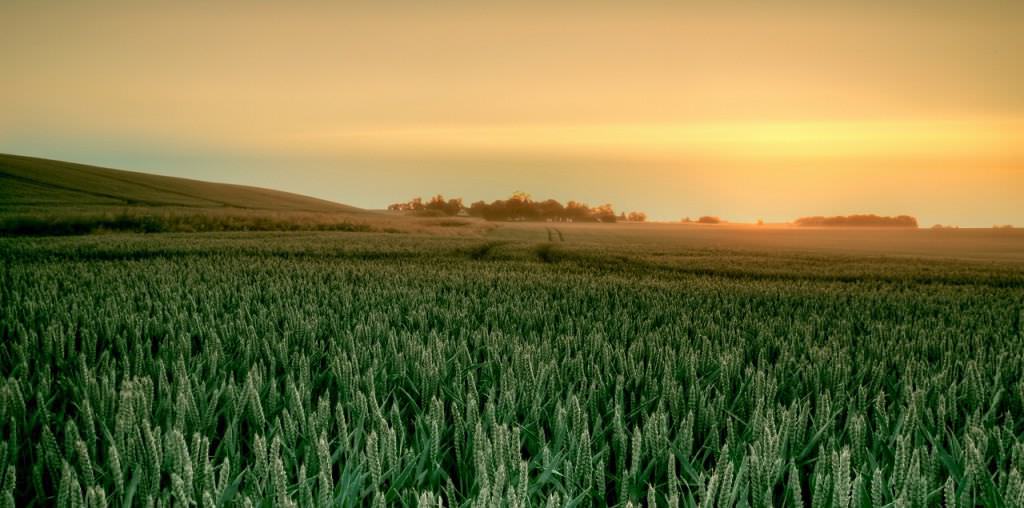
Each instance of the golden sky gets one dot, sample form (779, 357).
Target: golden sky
(740, 109)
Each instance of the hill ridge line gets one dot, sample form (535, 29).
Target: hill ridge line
(136, 188)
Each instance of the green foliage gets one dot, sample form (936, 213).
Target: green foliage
(153, 221)
(354, 370)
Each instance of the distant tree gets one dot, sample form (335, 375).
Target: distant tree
(446, 207)
(862, 220)
(551, 210)
(436, 206)
(520, 196)
(497, 210)
(519, 207)
(709, 219)
(412, 205)
(637, 217)
(604, 213)
(577, 212)
(686, 220)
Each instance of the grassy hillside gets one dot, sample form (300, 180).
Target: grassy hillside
(45, 197)
(32, 183)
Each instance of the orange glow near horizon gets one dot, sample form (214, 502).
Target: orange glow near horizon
(999, 140)
(677, 108)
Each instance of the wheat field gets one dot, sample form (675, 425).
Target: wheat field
(363, 369)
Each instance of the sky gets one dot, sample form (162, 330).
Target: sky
(741, 109)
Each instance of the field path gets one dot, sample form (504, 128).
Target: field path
(552, 232)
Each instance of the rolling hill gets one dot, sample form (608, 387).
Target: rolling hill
(33, 183)
(45, 197)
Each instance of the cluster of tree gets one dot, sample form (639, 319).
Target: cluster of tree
(706, 219)
(436, 204)
(520, 207)
(866, 220)
(633, 216)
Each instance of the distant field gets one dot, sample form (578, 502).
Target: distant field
(976, 244)
(44, 197)
(608, 365)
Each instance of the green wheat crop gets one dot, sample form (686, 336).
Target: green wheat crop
(367, 370)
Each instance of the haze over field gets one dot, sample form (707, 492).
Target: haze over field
(674, 108)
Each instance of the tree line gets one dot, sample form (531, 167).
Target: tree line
(519, 207)
(864, 220)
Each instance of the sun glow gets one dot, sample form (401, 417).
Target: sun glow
(977, 140)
